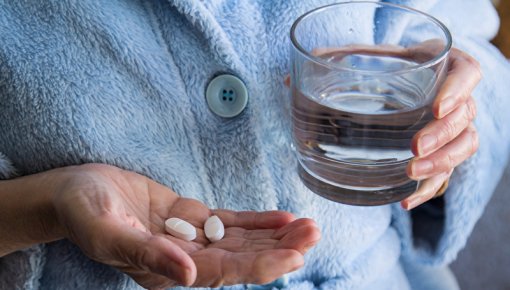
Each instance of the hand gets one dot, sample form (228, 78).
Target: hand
(117, 217)
(451, 138)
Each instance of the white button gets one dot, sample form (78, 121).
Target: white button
(226, 96)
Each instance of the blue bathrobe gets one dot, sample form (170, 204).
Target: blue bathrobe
(123, 82)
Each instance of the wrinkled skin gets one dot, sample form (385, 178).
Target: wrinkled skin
(117, 218)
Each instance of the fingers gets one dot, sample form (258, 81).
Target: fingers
(253, 219)
(302, 222)
(236, 232)
(244, 245)
(426, 190)
(144, 251)
(217, 267)
(463, 76)
(301, 237)
(268, 233)
(446, 158)
(446, 142)
(440, 132)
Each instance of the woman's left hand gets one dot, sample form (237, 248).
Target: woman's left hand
(451, 138)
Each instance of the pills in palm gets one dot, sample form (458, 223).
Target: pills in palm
(214, 229)
(180, 229)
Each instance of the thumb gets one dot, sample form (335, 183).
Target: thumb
(145, 251)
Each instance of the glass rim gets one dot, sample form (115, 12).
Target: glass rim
(435, 60)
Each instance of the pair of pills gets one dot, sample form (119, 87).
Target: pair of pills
(213, 228)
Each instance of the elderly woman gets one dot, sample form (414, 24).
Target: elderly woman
(105, 132)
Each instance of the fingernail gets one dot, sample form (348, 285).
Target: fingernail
(446, 106)
(421, 167)
(426, 143)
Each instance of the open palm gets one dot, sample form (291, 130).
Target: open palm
(117, 217)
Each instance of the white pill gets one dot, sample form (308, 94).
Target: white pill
(214, 229)
(180, 229)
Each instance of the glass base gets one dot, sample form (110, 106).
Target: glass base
(356, 197)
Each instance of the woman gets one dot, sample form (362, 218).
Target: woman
(121, 84)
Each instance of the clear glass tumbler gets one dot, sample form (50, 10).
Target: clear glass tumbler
(363, 79)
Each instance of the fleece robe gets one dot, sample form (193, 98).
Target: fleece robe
(123, 82)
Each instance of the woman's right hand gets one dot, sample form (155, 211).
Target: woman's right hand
(117, 218)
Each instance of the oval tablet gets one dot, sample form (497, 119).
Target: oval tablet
(214, 229)
(180, 229)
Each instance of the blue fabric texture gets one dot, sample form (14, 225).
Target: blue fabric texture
(123, 82)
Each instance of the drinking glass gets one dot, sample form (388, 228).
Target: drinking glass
(363, 79)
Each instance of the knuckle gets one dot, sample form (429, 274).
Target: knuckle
(479, 73)
(428, 191)
(448, 129)
(470, 61)
(474, 65)
(438, 164)
(472, 110)
(475, 142)
(450, 162)
(444, 163)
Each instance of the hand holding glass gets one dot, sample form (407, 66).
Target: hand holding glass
(360, 92)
